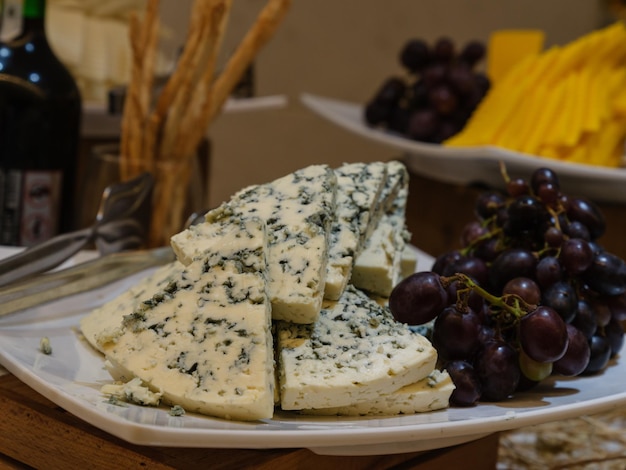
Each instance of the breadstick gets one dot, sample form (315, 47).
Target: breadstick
(149, 49)
(130, 116)
(259, 34)
(143, 40)
(187, 87)
(183, 67)
(218, 19)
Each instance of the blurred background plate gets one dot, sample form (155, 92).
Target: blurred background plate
(473, 165)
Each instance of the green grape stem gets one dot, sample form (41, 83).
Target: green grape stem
(512, 304)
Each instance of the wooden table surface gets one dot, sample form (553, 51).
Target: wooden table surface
(34, 432)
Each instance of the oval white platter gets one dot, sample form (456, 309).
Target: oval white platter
(472, 165)
(73, 374)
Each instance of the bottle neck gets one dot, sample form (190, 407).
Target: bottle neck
(33, 14)
(34, 10)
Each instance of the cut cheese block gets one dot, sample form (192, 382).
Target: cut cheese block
(204, 342)
(378, 268)
(298, 210)
(429, 394)
(359, 186)
(506, 48)
(106, 319)
(352, 354)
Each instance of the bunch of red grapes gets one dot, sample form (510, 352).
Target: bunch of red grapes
(530, 293)
(436, 98)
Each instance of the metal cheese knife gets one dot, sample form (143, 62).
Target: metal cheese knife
(80, 278)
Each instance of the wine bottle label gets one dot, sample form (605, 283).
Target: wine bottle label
(29, 205)
(11, 20)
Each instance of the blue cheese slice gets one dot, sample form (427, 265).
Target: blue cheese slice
(358, 190)
(378, 268)
(298, 210)
(352, 354)
(106, 319)
(429, 394)
(204, 342)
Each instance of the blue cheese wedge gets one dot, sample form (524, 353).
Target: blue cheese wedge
(352, 354)
(106, 319)
(378, 268)
(204, 342)
(429, 394)
(358, 190)
(298, 210)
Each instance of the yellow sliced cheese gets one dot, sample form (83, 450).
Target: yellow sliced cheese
(506, 48)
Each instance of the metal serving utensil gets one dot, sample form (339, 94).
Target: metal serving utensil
(120, 224)
(85, 276)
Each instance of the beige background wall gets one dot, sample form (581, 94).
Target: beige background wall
(345, 49)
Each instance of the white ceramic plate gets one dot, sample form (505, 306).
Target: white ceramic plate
(73, 375)
(473, 165)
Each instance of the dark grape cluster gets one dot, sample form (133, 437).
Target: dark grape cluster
(530, 293)
(437, 96)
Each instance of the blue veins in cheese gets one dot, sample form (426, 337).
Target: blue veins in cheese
(106, 319)
(358, 189)
(429, 394)
(378, 268)
(298, 210)
(204, 342)
(355, 352)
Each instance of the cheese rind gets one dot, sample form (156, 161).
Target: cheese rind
(429, 394)
(298, 210)
(358, 189)
(204, 342)
(353, 353)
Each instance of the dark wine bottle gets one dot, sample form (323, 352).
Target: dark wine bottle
(40, 113)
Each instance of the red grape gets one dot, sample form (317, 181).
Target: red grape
(543, 335)
(418, 298)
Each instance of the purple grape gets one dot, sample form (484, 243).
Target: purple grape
(498, 370)
(516, 187)
(585, 319)
(467, 386)
(577, 355)
(415, 55)
(444, 50)
(461, 79)
(473, 52)
(541, 176)
(488, 203)
(600, 353)
(548, 271)
(575, 256)
(525, 288)
(422, 125)
(561, 297)
(443, 99)
(589, 214)
(606, 275)
(456, 333)
(511, 263)
(543, 335)
(617, 305)
(443, 261)
(418, 298)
